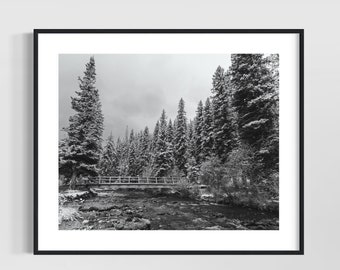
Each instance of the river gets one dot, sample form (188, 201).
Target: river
(137, 209)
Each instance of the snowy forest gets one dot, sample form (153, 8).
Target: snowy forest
(231, 145)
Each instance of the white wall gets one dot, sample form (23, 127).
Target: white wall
(322, 175)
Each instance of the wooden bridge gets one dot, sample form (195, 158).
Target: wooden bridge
(131, 182)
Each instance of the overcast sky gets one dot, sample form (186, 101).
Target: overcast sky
(134, 88)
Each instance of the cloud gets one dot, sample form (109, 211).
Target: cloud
(135, 88)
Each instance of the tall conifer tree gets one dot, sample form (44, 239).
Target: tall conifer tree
(207, 130)
(255, 101)
(109, 161)
(192, 166)
(170, 143)
(180, 138)
(145, 148)
(222, 118)
(84, 134)
(162, 152)
(132, 160)
(198, 133)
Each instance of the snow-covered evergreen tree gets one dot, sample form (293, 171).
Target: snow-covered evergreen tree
(170, 132)
(145, 149)
(222, 117)
(255, 101)
(192, 166)
(273, 66)
(153, 144)
(191, 140)
(133, 166)
(65, 167)
(272, 144)
(155, 136)
(207, 130)
(254, 91)
(84, 134)
(122, 156)
(170, 143)
(180, 138)
(163, 154)
(109, 162)
(198, 133)
(139, 153)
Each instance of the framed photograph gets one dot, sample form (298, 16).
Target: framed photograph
(168, 141)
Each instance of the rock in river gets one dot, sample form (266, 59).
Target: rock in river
(133, 224)
(138, 224)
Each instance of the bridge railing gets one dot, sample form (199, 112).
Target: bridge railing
(131, 180)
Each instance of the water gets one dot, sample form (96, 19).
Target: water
(128, 209)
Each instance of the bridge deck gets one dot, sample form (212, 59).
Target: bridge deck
(126, 180)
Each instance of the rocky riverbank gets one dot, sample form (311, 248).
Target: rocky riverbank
(142, 210)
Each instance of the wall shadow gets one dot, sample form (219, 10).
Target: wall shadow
(21, 114)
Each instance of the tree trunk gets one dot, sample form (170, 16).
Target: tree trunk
(73, 180)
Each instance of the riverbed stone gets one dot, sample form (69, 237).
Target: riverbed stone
(218, 215)
(141, 224)
(119, 225)
(115, 212)
(221, 220)
(200, 221)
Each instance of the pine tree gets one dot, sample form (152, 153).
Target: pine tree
(139, 154)
(207, 130)
(122, 156)
(191, 141)
(192, 166)
(255, 102)
(162, 151)
(198, 133)
(153, 144)
(132, 158)
(272, 145)
(85, 128)
(254, 89)
(170, 132)
(180, 138)
(144, 149)
(273, 65)
(155, 135)
(170, 143)
(109, 161)
(222, 117)
(65, 167)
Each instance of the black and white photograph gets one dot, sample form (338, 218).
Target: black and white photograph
(169, 142)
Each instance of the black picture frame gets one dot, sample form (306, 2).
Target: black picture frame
(299, 32)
